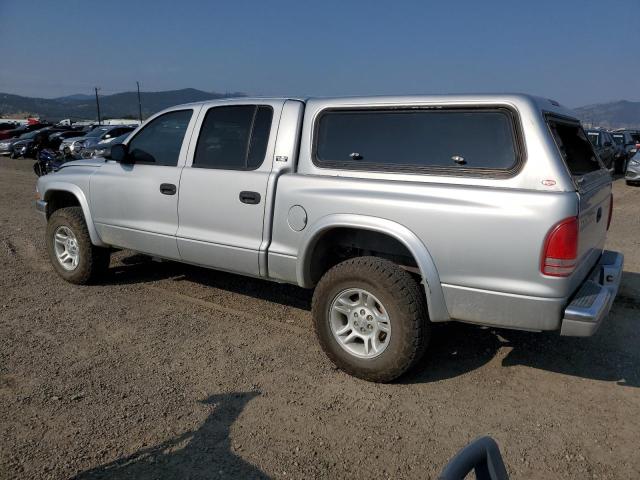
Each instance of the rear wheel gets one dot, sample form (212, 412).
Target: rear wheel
(71, 252)
(370, 317)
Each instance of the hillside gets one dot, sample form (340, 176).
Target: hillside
(111, 106)
(621, 114)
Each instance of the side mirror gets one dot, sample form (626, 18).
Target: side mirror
(607, 144)
(120, 153)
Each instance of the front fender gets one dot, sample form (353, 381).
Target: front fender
(430, 278)
(50, 187)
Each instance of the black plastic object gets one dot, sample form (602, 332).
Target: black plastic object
(252, 198)
(168, 189)
(481, 456)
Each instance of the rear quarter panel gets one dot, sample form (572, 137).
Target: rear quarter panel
(478, 237)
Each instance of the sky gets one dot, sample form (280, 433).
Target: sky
(576, 52)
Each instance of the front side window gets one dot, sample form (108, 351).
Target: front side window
(619, 139)
(159, 142)
(234, 137)
(482, 139)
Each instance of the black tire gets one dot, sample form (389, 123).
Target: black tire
(92, 260)
(402, 297)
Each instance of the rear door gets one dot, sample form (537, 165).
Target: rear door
(223, 187)
(593, 186)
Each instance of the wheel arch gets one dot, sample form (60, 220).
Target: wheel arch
(60, 190)
(429, 274)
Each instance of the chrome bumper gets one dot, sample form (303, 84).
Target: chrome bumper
(593, 300)
(41, 206)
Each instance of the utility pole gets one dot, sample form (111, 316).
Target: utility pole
(139, 102)
(98, 105)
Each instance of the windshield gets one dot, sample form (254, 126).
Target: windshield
(97, 132)
(28, 135)
(121, 138)
(593, 138)
(619, 139)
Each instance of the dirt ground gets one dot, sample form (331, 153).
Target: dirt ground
(169, 371)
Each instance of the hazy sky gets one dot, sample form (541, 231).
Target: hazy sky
(577, 52)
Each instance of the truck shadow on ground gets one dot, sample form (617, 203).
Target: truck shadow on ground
(455, 348)
(202, 453)
(140, 268)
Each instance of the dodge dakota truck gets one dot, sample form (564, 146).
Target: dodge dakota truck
(399, 211)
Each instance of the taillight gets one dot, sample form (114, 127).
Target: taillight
(560, 252)
(610, 212)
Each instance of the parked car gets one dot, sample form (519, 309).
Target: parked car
(632, 174)
(7, 126)
(16, 132)
(102, 149)
(72, 146)
(628, 141)
(401, 212)
(6, 146)
(604, 147)
(28, 143)
(55, 139)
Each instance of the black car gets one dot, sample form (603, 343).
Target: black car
(604, 146)
(627, 142)
(25, 144)
(16, 132)
(55, 139)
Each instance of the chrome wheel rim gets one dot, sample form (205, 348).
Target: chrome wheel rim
(360, 323)
(66, 247)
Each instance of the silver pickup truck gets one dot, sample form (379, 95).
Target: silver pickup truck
(400, 211)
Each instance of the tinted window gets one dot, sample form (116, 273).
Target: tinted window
(400, 139)
(619, 139)
(234, 137)
(160, 141)
(575, 147)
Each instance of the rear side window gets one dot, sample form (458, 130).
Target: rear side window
(234, 137)
(575, 147)
(399, 140)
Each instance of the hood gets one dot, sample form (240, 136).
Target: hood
(89, 162)
(25, 141)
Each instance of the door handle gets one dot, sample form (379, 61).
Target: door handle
(168, 189)
(252, 198)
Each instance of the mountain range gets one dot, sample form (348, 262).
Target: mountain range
(618, 114)
(119, 105)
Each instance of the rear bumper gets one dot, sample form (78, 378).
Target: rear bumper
(593, 300)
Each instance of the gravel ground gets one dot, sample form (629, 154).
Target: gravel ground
(169, 371)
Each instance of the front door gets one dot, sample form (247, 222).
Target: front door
(135, 205)
(223, 188)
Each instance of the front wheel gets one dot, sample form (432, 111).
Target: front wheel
(370, 317)
(70, 249)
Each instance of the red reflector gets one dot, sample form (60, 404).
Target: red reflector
(560, 252)
(610, 212)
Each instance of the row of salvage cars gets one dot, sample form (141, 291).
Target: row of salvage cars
(618, 150)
